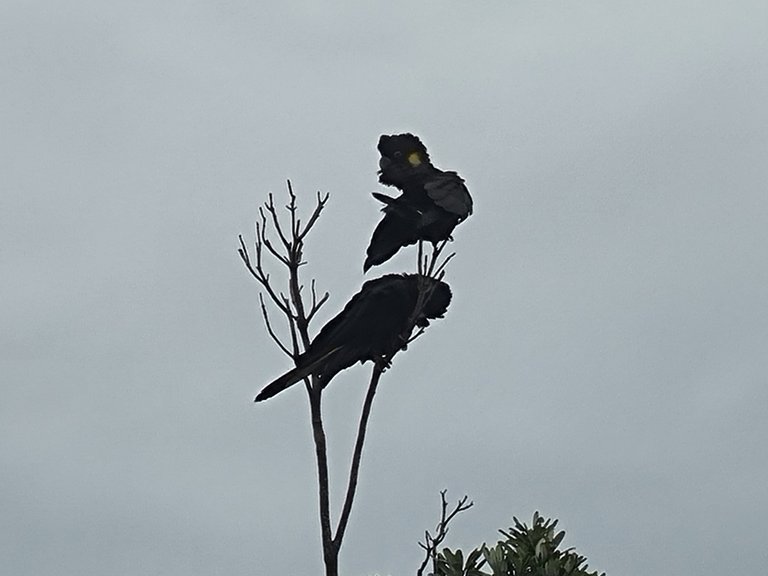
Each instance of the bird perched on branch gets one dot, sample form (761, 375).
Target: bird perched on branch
(432, 202)
(374, 324)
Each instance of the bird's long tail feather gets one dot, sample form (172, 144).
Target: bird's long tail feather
(292, 377)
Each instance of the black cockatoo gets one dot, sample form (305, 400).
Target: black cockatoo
(373, 326)
(432, 202)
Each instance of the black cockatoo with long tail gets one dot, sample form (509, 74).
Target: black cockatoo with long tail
(432, 202)
(375, 323)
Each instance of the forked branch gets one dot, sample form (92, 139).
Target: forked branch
(432, 543)
(288, 253)
(288, 297)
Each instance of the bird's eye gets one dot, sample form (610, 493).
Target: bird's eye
(397, 154)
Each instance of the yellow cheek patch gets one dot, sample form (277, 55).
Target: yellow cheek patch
(414, 159)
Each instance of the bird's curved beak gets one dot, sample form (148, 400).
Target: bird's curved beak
(384, 162)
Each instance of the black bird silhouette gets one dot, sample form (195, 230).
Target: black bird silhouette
(374, 324)
(432, 202)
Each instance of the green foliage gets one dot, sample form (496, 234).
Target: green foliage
(524, 552)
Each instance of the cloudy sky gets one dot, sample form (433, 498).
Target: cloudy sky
(604, 359)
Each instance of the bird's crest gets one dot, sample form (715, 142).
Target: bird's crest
(391, 146)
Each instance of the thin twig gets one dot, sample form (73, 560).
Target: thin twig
(436, 250)
(418, 333)
(440, 271)
(321, 202)
(432, 543)
(420, 258)
(271, 332)
(270, 206)
(316, 304)
(258, 273)
(261, 234)
(432, 268)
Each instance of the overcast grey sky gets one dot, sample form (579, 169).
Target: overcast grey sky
(604, 360)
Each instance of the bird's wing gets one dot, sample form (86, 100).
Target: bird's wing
(332, 350)
(372, 318)
(393, 232)
(447, 190)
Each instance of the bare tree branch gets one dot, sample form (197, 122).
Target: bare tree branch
(321, 202)
(418, 333)
(298, 313)
(261, 231)
(437, 249)
(257, 271)
(330, 550)
(288, 252)
(270, 207)
(432, 543)
(431, 270)
(378, 368)
(277, 340)
(316, 304)
(440, 271)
